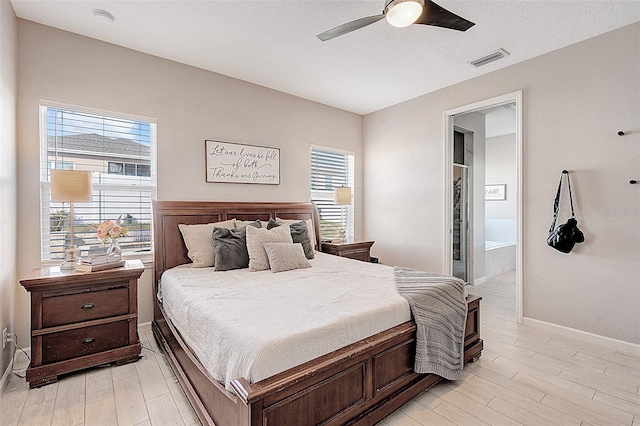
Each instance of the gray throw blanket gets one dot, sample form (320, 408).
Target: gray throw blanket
(439, 309)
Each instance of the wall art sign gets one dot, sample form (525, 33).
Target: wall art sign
(237, 163)
(495, 192)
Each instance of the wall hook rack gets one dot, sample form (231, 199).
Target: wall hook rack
(632, 181)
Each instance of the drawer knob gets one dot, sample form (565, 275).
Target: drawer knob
(87, 306)
(88, 340)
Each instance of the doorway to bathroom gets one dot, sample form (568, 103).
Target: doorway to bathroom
(483, 218)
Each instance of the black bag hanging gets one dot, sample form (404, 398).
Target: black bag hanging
(565, 236)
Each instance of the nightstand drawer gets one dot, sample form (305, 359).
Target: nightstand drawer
(85, 306)
(84, 341)
(358, 254)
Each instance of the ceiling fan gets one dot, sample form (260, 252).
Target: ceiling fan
(402, 13)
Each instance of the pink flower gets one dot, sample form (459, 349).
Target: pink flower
(103, 230)
(102, 233)
(115, 231)
(110, 230)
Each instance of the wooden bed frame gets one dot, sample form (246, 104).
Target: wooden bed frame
(359, 384)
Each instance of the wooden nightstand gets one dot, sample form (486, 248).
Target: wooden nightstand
(80, 320)
(359, 251)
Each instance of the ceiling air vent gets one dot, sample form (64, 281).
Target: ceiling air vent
(493, 56)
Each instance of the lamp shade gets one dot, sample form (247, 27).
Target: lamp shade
(342, 195)
(70, 186)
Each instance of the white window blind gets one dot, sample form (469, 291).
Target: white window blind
(329, 170)
(120, 154)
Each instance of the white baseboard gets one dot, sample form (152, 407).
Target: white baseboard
(480, 280)
(584, 336)
(144, 327)
(5, 376)
(18, 361)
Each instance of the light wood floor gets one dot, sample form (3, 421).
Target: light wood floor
(525, 376)
(530, 377)
(142, 393)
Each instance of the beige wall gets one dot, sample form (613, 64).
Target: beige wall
(8, 207)
(501, 168)
(189, 104)
(575, 101)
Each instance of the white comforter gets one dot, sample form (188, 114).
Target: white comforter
(257, 324)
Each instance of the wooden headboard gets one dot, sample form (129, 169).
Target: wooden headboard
(168, 245)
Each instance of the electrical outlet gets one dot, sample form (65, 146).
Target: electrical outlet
(7, 337)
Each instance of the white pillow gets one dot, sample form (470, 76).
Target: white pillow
(199, 241)
(257, 237)
(285, 257)
(310, 228)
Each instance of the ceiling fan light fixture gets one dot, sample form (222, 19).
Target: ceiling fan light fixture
(402, 13)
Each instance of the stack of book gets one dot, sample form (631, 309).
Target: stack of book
(100, 262)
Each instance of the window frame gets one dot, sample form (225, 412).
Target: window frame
(45, 162)
(318, 196)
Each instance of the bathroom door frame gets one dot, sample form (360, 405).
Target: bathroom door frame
(449, 115)
(465, 235)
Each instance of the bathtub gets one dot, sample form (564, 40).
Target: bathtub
(500, 257)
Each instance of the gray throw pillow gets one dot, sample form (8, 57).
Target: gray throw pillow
(310, 227)
(299, 234)
(286, 257)
(230, 246)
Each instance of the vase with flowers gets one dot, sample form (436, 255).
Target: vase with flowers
(110, 231)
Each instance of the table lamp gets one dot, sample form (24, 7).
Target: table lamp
(69, 186)
(342, 197)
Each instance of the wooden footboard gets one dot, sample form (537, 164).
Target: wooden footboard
(359, 384)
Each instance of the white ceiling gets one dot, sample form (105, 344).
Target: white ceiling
(273, 42)
(500, 120)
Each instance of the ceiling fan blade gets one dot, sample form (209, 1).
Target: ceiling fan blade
(438, 16)
(348, 27)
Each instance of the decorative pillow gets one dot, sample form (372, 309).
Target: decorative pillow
(299, 234)
(310, 228)
(244, 223)
(230, 246)
(257, 237)
(285, 257)
(240, 223)
(197, 238)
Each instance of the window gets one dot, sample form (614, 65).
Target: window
(332, 169)
(120, 153)
(115, 168)
(129, 169)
